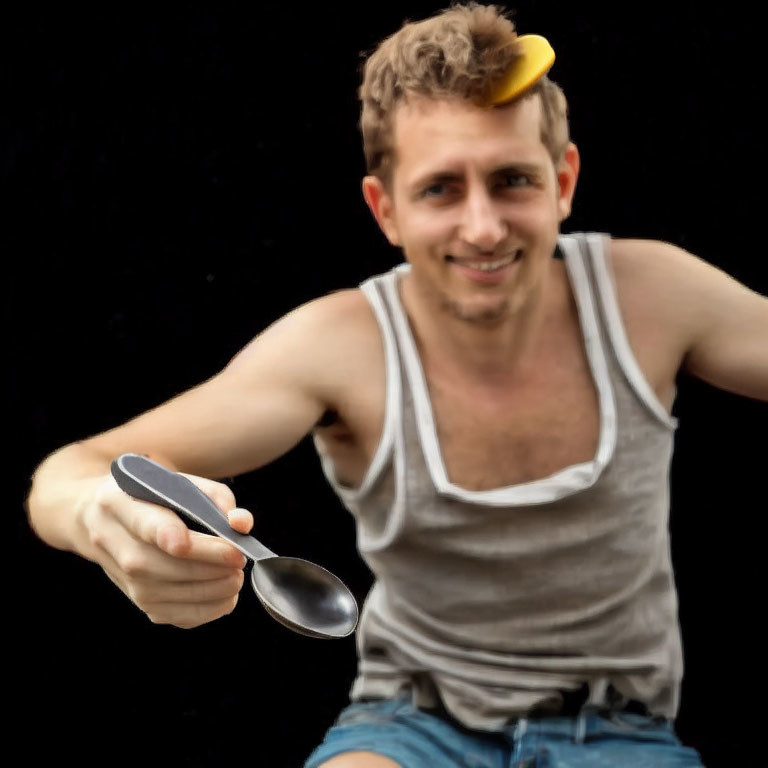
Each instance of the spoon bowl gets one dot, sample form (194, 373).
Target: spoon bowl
(301, 595)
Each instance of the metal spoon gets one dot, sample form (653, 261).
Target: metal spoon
(301, 595)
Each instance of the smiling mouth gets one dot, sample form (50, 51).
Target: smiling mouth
(486, 265)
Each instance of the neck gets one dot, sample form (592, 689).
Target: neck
(488, 353)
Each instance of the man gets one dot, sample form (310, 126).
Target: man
(498, 420)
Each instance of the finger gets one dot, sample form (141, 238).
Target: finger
(240, 519)
(190, 615)
(202, 547)
(221, 495)
(207, 557)
(215, 550)
(150, 592)
(171, 537)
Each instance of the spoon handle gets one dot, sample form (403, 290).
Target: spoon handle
(147, 480)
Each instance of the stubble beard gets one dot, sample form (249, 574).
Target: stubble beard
(479, 316)
(484, 313)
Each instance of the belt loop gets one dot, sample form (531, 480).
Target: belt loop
(581, 727)
(521, 728)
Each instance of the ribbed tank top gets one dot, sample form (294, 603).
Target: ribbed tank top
(492, 603)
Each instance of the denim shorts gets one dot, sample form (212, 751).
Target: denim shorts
(416, 738)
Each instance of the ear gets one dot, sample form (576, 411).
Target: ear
(382, 207)
(567, 176)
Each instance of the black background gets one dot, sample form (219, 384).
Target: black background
(179, 177)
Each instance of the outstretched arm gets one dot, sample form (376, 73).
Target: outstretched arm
(255, 410)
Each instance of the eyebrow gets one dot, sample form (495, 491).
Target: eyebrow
(525, 169)
(445, 177)
(438, 177)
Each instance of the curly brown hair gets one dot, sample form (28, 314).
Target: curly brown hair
(459, 52)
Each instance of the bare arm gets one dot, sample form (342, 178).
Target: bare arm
(730, 348)
(255, 410)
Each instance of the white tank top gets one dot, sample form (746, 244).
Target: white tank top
(493, 603)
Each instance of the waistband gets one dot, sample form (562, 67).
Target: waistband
(574, 705)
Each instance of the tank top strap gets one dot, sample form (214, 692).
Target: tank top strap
(596, 255)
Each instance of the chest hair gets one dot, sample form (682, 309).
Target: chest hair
(492, 437)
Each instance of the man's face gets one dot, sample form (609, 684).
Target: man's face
(475, 203)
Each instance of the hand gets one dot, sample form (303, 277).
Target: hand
(176, 576)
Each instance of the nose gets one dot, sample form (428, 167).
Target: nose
(482, 224)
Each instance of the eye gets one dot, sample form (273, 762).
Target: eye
(514, 180)
(434, 190)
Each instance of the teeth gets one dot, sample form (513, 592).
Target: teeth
(492, 266)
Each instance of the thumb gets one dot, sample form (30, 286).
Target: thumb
(240, 519)
(156, 525)
(149, 522)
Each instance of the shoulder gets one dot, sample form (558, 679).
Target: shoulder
(672, 280)
(653, 281)
(653, 260)
(326, 321)
(703, 312)
(640, 266)
(320, 342)
(345, 311)
(657, 277)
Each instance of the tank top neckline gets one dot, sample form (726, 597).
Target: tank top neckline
(561, 483)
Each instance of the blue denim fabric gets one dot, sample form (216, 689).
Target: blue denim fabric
(419, 739)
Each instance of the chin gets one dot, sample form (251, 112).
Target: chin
(479, 312)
